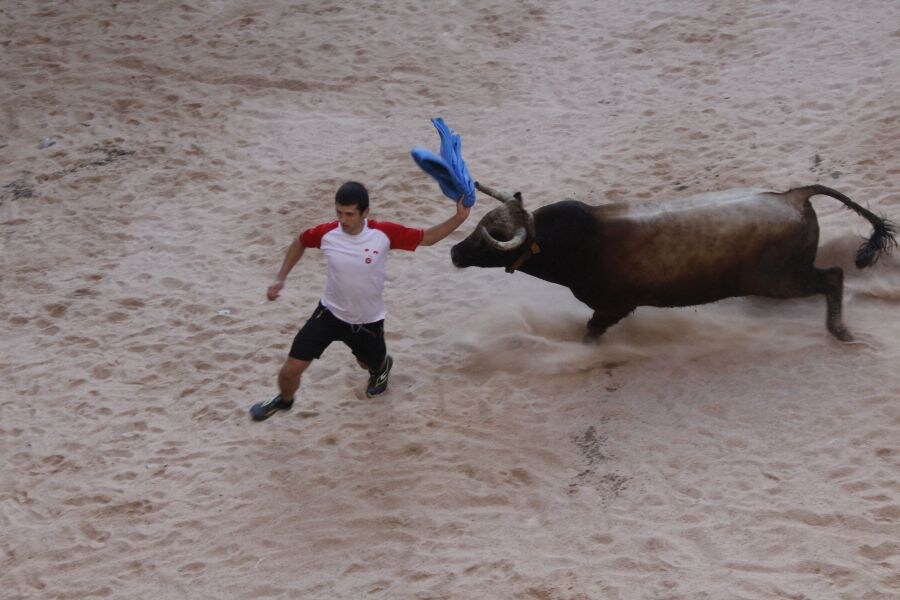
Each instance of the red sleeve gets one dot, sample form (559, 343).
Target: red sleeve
(312, 237)
(402, 238)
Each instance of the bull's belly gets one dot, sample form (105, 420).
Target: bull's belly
(675, 298)
(683, 279)
(680, 292)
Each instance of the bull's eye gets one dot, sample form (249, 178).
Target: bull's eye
(499, 235)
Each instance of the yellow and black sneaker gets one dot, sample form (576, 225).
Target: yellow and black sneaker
(263, 410)
(378, 380)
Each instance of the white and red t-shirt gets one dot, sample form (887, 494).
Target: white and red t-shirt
(357, 265)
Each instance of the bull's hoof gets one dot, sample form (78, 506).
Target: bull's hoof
(590, 339)
(841, 333)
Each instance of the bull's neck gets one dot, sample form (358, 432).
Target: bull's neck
(563, 234)
(547, 265)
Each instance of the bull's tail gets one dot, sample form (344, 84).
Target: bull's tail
(882, 239)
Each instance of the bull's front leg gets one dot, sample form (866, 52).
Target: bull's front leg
(603, 319)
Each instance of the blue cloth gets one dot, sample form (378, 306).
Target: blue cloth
(449, 169)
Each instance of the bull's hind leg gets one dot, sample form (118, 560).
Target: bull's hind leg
(828, 282)
(831, 284)
(602, 320)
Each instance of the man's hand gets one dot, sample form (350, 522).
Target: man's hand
(293, 254)
(275, 290)
(462, 211)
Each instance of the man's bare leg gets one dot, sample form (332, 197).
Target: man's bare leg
(288, 384)
(289, 377)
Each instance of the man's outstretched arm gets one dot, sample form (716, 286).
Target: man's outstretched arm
(293, 254)
(435, 234)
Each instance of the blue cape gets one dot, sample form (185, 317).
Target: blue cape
(449, 169)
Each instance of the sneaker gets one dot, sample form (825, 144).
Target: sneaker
(263, 410)
(378, 381)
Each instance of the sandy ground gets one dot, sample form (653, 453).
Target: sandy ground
(730, 451)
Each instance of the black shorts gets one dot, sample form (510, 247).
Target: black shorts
(366, 341)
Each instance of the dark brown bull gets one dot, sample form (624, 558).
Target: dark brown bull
(617, 257)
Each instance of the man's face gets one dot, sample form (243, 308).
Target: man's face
(350, 218)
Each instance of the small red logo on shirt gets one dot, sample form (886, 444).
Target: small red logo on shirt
(368, 260)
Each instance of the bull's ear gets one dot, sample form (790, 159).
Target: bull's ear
(518, 196)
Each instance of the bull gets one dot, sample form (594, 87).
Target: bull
(700, 249)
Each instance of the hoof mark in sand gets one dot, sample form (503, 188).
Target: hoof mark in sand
(111, 154)
(20, 188)
(609, 485)
(590, 445)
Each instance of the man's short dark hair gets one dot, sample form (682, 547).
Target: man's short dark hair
(353, 193)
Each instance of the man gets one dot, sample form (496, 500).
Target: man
(352, 307)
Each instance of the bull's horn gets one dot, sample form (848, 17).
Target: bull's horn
(493, 193)
(517, 240)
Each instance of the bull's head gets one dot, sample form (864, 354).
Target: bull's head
(501, 237)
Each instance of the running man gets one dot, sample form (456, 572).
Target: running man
(352, 308)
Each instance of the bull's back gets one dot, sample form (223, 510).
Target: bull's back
(701, 248)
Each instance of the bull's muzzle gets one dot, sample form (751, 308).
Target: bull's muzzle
(455, 256)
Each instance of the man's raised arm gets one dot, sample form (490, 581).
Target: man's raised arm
(435, 234)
